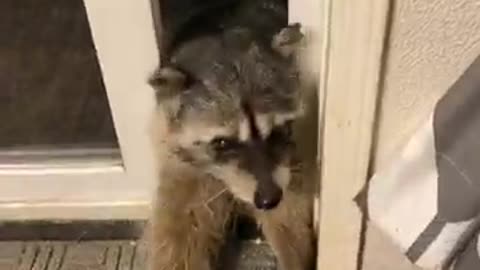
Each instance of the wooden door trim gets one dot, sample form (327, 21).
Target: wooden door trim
(354, 43)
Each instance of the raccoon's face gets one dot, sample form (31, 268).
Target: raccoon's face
(231, 103)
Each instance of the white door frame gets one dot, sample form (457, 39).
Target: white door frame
(350, 76)
(124, 38)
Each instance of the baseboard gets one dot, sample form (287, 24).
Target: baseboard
(106, 211)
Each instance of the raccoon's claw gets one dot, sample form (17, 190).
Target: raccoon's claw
(288, 40)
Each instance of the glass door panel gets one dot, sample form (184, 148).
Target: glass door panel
(53, 104)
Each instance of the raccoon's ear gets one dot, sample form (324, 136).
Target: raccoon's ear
(167, 82)
(288, 40)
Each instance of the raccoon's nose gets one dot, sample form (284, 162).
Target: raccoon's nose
(268, 200)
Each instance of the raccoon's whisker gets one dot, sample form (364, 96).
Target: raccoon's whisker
(214, 197)
(211, 199)
(210, 211)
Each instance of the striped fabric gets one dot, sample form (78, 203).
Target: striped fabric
(428, 200)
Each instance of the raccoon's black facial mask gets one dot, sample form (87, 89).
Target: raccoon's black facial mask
(279, 140)
(259, 157)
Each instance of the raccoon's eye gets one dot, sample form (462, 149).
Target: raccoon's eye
(224, 144)
(282, 134)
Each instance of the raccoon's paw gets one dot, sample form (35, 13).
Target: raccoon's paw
(289, 39)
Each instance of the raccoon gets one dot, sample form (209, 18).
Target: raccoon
(230, 95)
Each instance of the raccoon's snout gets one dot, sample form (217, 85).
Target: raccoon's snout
(260, 165)
(267, 198)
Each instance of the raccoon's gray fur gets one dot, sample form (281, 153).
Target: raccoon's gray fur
(228, 92)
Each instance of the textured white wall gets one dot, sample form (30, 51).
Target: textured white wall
(431, 44)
